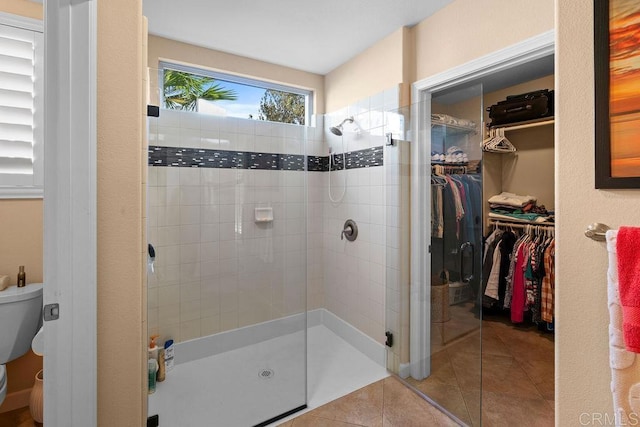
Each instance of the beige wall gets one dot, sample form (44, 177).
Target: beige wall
(380, 67)
(582, 377)
(22, 7)
(121, 199)
(468, 29)
(21, 229)
(164, 49)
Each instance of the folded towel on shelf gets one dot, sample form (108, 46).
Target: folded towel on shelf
(446, 119)
(628, 248)
(529, 218)
(511, 199)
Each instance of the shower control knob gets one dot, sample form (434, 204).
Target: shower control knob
(349, 230)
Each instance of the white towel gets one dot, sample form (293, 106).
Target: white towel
(625, 365)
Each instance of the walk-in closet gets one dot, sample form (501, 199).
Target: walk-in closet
(490, 349)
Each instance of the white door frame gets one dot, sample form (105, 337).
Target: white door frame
(536, 47)
(70, 363)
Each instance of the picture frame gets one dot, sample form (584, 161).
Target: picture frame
(617, 95)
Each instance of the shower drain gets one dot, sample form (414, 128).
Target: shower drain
(266, 374)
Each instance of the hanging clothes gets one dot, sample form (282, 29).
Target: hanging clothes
(519, 274)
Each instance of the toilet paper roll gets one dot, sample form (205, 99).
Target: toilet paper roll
(4, 282)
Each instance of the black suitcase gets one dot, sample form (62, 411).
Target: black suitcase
(523, 107)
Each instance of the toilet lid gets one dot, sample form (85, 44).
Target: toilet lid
(3, 377)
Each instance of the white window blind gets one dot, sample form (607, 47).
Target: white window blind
(21, 124)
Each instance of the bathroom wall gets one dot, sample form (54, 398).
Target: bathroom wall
(218, 269)
(165, 49)
(121, 239)
(583, 383)
(468, 29)
(356, 272)
(27, 8)
(21, 228)
(354, 80)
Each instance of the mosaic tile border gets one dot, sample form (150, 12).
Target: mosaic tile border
(225, 159)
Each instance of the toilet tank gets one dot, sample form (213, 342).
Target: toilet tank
(20, 319)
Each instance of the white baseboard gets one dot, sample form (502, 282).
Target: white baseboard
(16, 400)
(405, 370)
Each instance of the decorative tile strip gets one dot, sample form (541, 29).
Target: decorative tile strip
(225, 159)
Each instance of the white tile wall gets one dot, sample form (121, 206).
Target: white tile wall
(358, 273)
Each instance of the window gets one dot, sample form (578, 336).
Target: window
(21, 107)
(209, 92)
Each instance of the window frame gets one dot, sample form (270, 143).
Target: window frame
(232, 78)
(35, 190)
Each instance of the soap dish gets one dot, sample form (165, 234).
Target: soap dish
(264, 214)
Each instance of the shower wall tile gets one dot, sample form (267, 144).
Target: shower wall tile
(216, 269)
(357, 274)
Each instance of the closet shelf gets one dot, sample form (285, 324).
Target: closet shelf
(527, 124)
(520, 224)
(453, 129)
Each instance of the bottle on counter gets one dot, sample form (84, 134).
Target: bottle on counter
(22, 277)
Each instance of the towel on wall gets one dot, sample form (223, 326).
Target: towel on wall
(628, 249)
(625, 365)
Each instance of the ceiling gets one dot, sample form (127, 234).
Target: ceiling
(314, 36)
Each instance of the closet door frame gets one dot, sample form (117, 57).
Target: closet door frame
(537, 47)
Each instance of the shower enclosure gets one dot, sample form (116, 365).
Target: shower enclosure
(227, 217)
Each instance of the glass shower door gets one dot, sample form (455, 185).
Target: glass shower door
(455, 380)
(440, 354)
(227, 219)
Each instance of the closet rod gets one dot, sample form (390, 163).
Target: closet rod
(526, 125)
(518, 225)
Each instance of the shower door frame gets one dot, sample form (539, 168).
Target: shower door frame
(540, 46)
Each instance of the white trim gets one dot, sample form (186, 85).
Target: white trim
(70, 352)
(420, 289)
(536, 47)
(528, 50)
(21, 22)
(404, 371)
(21, 193)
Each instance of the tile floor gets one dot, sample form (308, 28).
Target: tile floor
(517, 384)
(18, 418)
(517, 389)
(387, 403)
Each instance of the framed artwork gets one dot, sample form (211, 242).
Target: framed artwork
(617, 93)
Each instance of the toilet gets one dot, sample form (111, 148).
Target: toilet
(20, 320)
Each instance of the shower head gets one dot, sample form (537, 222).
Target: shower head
(337, 130)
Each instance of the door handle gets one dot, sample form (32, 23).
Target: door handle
(463, 248)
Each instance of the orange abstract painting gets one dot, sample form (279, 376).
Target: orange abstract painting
(624, 87)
